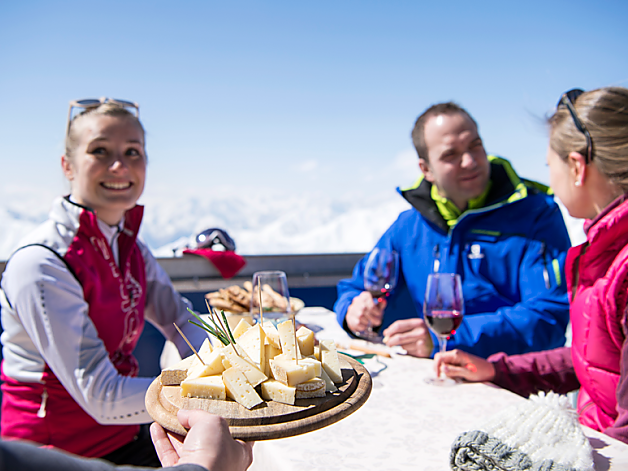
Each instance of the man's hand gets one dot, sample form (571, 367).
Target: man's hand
(412, 334)
(459, 364)
(208, 443)
(364, 311)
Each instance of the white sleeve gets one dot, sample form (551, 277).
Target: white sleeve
(49, 305)
(165, 306)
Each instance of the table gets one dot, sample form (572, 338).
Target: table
(405, 424)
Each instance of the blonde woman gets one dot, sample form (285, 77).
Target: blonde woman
(588, 162)
(76, 294)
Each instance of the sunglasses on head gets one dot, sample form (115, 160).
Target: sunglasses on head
(568, 99)
(91, 103)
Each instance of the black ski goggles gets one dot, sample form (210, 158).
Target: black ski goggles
(210, 238)
(568, 99)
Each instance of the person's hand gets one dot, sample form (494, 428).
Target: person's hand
(208, 443)
(364, 311)
(412, 334)
(463, 365)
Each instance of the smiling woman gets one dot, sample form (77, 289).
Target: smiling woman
(105, 160)
(76, 295)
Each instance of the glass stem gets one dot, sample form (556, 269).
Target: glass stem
(442, 343)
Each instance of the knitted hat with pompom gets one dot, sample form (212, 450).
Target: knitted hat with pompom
(540, 434)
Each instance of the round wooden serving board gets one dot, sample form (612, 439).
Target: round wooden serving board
(269, 420)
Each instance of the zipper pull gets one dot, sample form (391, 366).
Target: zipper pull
(41, 413)
(436, 258)
(545, 272)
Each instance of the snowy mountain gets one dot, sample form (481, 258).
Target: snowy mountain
(269, 222)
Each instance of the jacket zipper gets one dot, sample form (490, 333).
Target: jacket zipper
(436, 266)
(545, 271)
(41, 413)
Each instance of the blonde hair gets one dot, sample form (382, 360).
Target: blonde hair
(604, 112)
(106, 109)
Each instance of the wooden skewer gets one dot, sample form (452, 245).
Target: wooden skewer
(261, 311)
(188, 342)
(296, 341)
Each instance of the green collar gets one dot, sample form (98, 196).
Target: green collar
(450, 211)
(505, 187)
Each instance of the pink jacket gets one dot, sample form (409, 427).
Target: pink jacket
(597, 278)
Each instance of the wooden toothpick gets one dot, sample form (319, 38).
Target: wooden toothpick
(188, 342)
(296, 340)
(261, 311)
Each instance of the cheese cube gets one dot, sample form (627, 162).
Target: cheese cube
(288, 340)
(273, 390)
(291, 373)
(213, 366)
(208, 387)
(252, 341)
(252, 373)
(318, 368)
(176, 373)
(317, 352)
(270, 352)
(305, 338)
(330, 361)
(239, 389)
(242, 327)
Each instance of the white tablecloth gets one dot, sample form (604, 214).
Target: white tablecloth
(405, 424)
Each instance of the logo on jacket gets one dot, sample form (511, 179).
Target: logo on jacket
(476, 252)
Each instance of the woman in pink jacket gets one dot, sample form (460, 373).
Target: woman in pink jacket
(588, 162)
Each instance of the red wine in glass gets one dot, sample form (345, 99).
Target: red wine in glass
(380, 277)
(443, 323)
(443, 309)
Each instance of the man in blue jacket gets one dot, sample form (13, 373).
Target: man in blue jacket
(472, 215)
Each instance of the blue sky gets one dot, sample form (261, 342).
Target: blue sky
(295, 96)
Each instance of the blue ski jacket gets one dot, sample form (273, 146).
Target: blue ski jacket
(510, 255)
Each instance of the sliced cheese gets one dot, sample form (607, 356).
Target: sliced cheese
(208, 387)
(287, 339)
(252, 341)
(273, 390)
(305, 338)
(253, 374)
(270, 352)
(272, 335)
(213, 366)
(239, 389)
(318, 367)
(330, 361)
(291, 373)
(329, 384)
(242, 327)
(176, 373)
(315, 387)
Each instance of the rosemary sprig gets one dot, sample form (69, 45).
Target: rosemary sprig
(221, 333)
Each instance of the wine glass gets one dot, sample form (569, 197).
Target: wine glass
(443, 309)
(275, 296)
(380, 278)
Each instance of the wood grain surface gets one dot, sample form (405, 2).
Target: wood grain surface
(269, 420)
